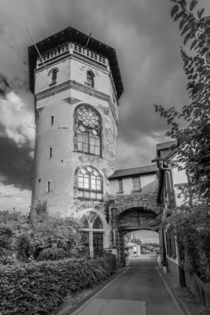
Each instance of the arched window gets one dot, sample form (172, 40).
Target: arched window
(85, 223)
(97, 224)
(90, 79)
(53, 76)
(88, 130)
(90, 184)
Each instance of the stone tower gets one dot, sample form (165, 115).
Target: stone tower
(76, 91)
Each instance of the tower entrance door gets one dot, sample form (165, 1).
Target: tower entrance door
(97, 244)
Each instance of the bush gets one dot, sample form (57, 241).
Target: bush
(5, 239)
(24, 248)
(52, 253)
(193, 230)
(38, 288)
(8, 260)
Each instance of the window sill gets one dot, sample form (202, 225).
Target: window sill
(52, 83)
(87, 153)
(88, 85)
(87, 199)
(136, 191)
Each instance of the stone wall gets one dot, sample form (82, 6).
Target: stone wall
(143, 199)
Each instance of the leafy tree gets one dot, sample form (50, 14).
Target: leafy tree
(193, 234)
(26, 241)
(136, 241)
(56, 232)
(191, 125)
(11, 226)
(127, 237)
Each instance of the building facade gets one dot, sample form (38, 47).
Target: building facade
(77, 85)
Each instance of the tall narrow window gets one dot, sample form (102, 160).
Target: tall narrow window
(90, 184)
(48, 187)
(53, 76)
(136, 183)
(97, 224)
(90, 78)
(120, 182)
(88, 130)
(52, 120)
(50, 152)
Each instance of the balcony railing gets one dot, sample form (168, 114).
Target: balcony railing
(71, 48)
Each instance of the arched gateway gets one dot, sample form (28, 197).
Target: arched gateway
(132, 212)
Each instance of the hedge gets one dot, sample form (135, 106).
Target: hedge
(38, 288)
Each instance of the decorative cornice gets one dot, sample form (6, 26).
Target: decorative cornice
(79, 87)
(89, 61)
(66, 56)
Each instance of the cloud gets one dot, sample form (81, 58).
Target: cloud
(14, 199)
(16, 138)
(17, 119)
(16, 163)
(147, 43)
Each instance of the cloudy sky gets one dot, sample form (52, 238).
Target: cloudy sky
(148, 44)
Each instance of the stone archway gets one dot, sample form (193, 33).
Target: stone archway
(136, 218)
(135, 211)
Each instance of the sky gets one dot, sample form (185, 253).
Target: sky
(147, 43)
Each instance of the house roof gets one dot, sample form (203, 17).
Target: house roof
(134, 171)
(73, 35)
(165, 145)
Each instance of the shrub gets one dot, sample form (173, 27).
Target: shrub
(8, 260)
(58, 232)
(5, 239)
(52, 253)
(193, 230)
(18, 235)
(38, 288)
(24, 248)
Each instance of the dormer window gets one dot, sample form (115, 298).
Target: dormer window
(90, 79)
(53, 76)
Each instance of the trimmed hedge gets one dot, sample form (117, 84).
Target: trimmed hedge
(38, 288)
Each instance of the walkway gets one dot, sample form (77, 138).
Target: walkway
(139, 290)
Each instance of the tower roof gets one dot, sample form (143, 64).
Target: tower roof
(73, 35)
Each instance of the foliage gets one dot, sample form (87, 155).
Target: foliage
(11, 225)
(5, 238)
(8, 260)
(191, 126)
(38, 288)
(136, 241)
(24, 248)
(56, 232)
(192, 227)
(40, 211)
(52, 253)
(18, 235)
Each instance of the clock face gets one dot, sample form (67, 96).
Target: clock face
(88, 117)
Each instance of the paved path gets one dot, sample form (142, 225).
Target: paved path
(139, 290)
